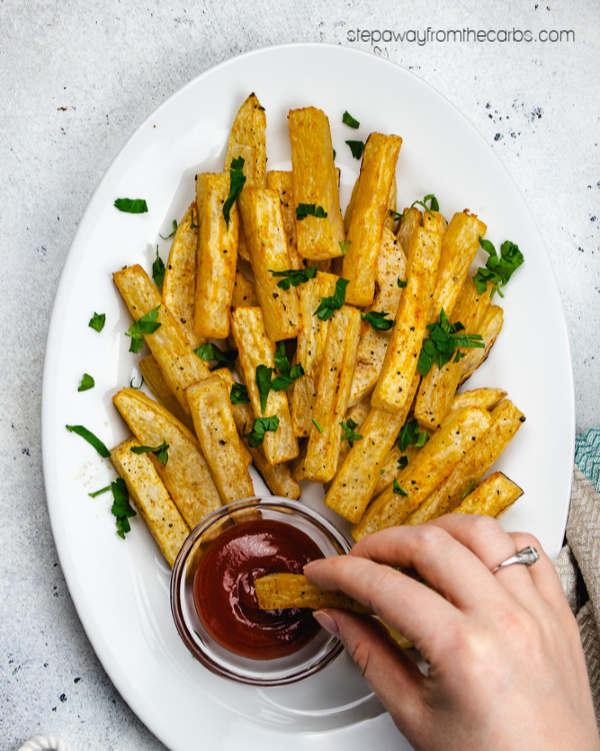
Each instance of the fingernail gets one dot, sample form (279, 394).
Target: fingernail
(327, 622)
(310, 564)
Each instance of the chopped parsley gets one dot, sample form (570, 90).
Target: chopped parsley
(357, 148)
(87, 383)
(121, 507)
(329, 305)
(260, 426)
(262, 378)
(239, 394)
(97, 321)
(429, 198)
(344, 246)
(158, 270)
(131, 205)
(402, 283)
(160, 452)
(309, 209)
(378, 320)
(210, 351)
(294, 277)
(317, 426)
(349, 433)
(173, 231)
(147, 324)
(469, 489)
(403, 462)
(443, 342)
(398, 490)
(409, 434)
(498, 269)
(350, 121)
(237, 180)
(90, 438)
(287, 375)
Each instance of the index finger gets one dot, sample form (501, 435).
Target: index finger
(404, 603)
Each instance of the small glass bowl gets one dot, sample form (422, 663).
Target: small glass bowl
(310, 658)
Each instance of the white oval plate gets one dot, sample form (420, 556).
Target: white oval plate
(121, 588)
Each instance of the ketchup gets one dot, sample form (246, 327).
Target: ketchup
(224, 592)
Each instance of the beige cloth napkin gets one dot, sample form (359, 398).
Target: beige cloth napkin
(578, 564)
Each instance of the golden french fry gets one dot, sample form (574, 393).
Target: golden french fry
(411, 220)
(391, 267)
(243, 292)
(256, 348)
(282, 182)
(491, 497)
(428, 468)
(486, 398)
(315, 184)
(185, 473)
(392, 467)
(506, 420)
(180, 275)
(356, 415)
(154, 379)
(368, 216)
(248, 140)
(333, 392)
(215, 427)
(281, 591)
(438, 387)
(217, 256)
(268, 249)
(400, 363)
(309, 349)
(176, 359)
(151, 498)
(459, 246)
(489, 329)
(353, 485)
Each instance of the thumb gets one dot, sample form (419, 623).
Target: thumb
(390, 672)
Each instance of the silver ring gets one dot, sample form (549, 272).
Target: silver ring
(528, 556)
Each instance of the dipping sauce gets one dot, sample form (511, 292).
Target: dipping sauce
(225, 597)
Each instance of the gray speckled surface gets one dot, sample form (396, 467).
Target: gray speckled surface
(76, 81)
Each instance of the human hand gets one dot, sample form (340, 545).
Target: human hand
(506, 666)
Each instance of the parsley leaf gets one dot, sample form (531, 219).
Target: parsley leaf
(160, 452)
(344, 246)
(349, 433)
(357, 148)
(121, 508)
(309, 209)
(469, 489)
(90, 438)
(403, 462)
(260, 426)
(498, 270)
(398, 490)
(236, 183)
(347, 119)
(262, 378)
(433, 206)
(97, 321)
(87, 383)
(168, 237)
(239, 394)
(378, 320)
(409, 434)
(443, 342)
(317, 426)
(294, 277)
(147, 324)
(131, 205)
(287, 373)
(158, 270)
(210, 351)
(402, 283)
(329, 305)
